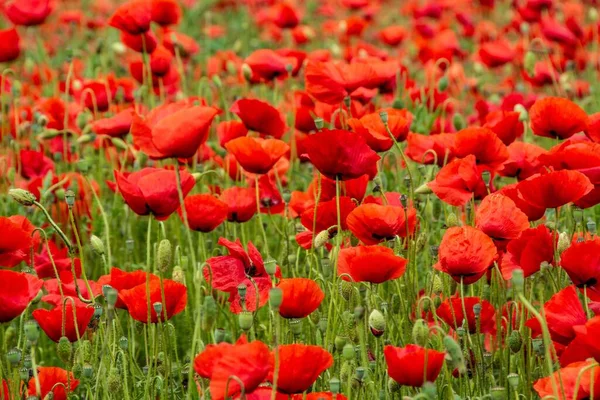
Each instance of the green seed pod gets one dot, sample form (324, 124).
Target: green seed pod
(24, 374)
(529, 61)
(158, 307)
(515, 341)
(513, 380)
(97, 245)
(296, 326)
(319, 123)
(275, 298)
(348, 352)
(124, 343)
(14, 356)
(245, 319)
(498, 393)
(23, 197)
(165, 253)
(377, 323)
(27, 362)
(340, 342)
(70, 198)
(334, 385)
(430, 390)
(420, 333)
(458, 122)
(346, 289)
(64, 349)
(270, 266)
(87, 371)
(443, 83)
(32, 330)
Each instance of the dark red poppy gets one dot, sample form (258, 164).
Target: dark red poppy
(374, 264)
(301, 296)
(241, 203)
(44, 265)
(35, 164)
(457, 182)
(266, 65)
(53, 380)
(27, 13)
(430, 149)
(299, 366)
(95, 95)
(143, 42)
(16, 240)
(505, 124)
(256, 155)
(133, 17)
(11, 45)
(260, 116)
(489, 151)
(465, 253)
(17, 289)
(166, 12)
(204, 212)
(556, 117)
(581, 261)
(75, 321)
(374, 223)
(562, 313)
(340, 154)
(527, 252)
(326, 216)
(153, 190)
(122, 280)
(229, 130)
(172, 130)
(160, 61)
(497, 53)
(451, 312)
(136, 300)
(413, 365)
(499, 218)
(523, 160)
(269, 197)
(226, 273)
(373, 130)
(554, 189)
(116, 126)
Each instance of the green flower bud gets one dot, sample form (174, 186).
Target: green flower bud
(563, 242)
(245, 319)
(384, 117)
(22, 196)
(322, 325)
(32, 330)
(219, 335)
(178, 275)
(77, 370)
(275, 298)
(452, 220)
(456, 356)
(420, 333)
(97, 245)
(296, 326)
(247, 72)
(348, 352)
(529, 62)
(377, 323)
(437, 286)
(64, 349)
(443, 83)
(515, 341)
(340, 342)
(114, 381)
(321, 238)
(458, 122)
(165, 253)
(124, 343)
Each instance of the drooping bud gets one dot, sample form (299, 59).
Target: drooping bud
(97, 245)
(515, 341)
(455, 354)
(209, 314)
(23, 197)
(437, 286)
(64, 349)
(563, 242)
(321, 238)
(393, 386)
(114, 381)
(458, 122)
(247, 72)
(377, 323)
(420, 333)
(346, 289)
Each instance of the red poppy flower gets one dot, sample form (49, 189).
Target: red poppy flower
(533, 212)
(255, 155)
(392, 35)
(16, 240)
(505, 124)
(484, 144)
(457, 182)
(204, 212)
(165, 12)
(153, 190)
(374, 223)
(523, 160)
(497, 53)
(136, 300)
(75, 323)
(575, 377)
(17, 289)
(229, 130)
(27, 13)
(270, 199)
(413, 365)
(121, 281)
(44, 266)
(557, 117)
(581, 261)
(48, 379)
(186, 45)
(241, 203)
(144, 42)
(301, 296)
(172, 130)
(341, 154)
(228, 272)
(95, 94)
(420, 148)
(116, 126)
(562, 313)
(160, 62)
(373, 130)
(10, 49)
(465, 253)
(205, 362)
(331, 83)
(68, 284)
(527, 252)
(326, 216)
(593, 131)
(133, 17)
(299, 366)
(451, 311)
(554, 189)
(260, 116)
(499, 218)
(374, 264)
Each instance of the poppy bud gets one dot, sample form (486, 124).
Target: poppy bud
(32, 330)
(455, 353)
(209, 314)
(97, 245)
(334, 385)
(322, 325)
(515, 341)
(347, 102)
(349, 324)
(563, 242)
(247, 72)
(23, 197)
(114, 381)
(70, 198)
(14, 356)
(296, 326)
(164, 255)
(319, 123)
(529, 62)
(458, 122)
(321, 238)
(443, 83)
(420, 333)
(245, 319)
(217, 81)
(346, 290)
(158, 307)
(518, 280)
(275, 298)
(513, 380)
(393, 386)
(498, 393)
(119, 143)
(451, 220)
(64, 349)
(77, 371)
(348, 352)
(270, 266)
(124, 343)
(340, 342)
(178, 274)
(118, 47)
(377, 323)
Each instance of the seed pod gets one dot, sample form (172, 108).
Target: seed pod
(498, 393)
(14, 356)
(340, 342)
(245, 319)
(32, 330)
(296, 326)
(348, 352)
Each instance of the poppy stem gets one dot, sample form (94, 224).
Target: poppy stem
(185, 216)
(260, 221)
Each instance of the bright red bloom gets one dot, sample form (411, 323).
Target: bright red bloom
(27, 13)
(568, 378)
(166, 12)
(48, 377)
(523, 160)
(17, 289)
(457, 182)
(121, 281)
(557, 117)
(331, 83)
(116, 126)
(420, 148)
(497, 53)
(327, 215)
(160, 62)
(341, 154)
(318, 396)
(413, 365)
(533, 212)
(465, 253)
(44, 267)
(133, 17)
(374, 264)
(593, 131)
(499, 218)
(241, 203)
(204, 212)
(143, 42)
(301, 296)
(373, 130)
(451, 311)
(136, 300)
(299, 366)
(505, 124)
(260, 116)
(51, 321)
(16, 240)
(172, 130)
(255, 155)
(374, 223)
(554, 189)
(10, 45)
(527, 252)
(153, 190)
(489, 151)
(205, 362)
(581, 261)
(267, 65)
(392, 35)
(229, 130)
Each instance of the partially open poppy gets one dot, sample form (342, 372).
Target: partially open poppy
(17, 289)
(241, 203)
(499, 218)
(374, 264)
(27, 13)
(121, 281)
(430, 149)
(165, 12)
(133, 17)
(10, 49)
(374, 223)
(267, 65)
(204, 212)
(116, 126)
(229, 130)
(413, 365)
(556, 117)
(451, 311)
(505, 124)
(554, 189)
(527, 252)
(75, 321)
(581, 261)
(53, 380)
(137, 299)
(255, 155)
(299, 366)
(465, 253)
(260, 116)
(301, 296)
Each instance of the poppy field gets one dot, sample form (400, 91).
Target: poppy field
(299, 199)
